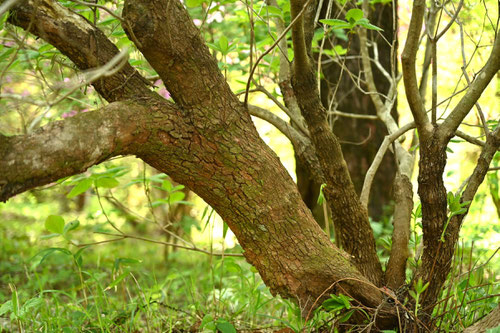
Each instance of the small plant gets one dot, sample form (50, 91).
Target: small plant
(353, 18)
(419, 287)
(456, 208)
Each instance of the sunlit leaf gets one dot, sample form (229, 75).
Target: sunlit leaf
(354, 15)
(106, 182)
(55, 224)
(81, 187)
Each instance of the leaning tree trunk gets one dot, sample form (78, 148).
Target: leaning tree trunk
(206, 140)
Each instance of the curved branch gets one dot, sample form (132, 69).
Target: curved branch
(349, 216)
(175, 48)
(370, 174)
(408, 59)
(83, 43)
(67, 147)
(302, 145)
(451, 123)
(395, 273)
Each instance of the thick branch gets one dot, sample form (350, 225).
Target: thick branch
(82, 42)
(438, 255)
(175, 48)
(408, 59)
(67, 147)
(349, 216)
(395, 274)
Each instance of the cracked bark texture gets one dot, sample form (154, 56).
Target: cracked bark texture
(349, 216)
(205, 141)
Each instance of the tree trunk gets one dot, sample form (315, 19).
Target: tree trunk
(206, 141)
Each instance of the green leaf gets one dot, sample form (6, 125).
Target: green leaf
(15, 301)
(193, 3)
(224, 326)
(78, 257)
(118, 279)
(81, 187)
(354, 15)
(71, 226)
(274, 11)
(158, 178)
(214, 46)
(225, 227)
(232, 267)
(177, 188)
(6, 307)
(106, 182)
(32, 303)
(346, 316)
(125, 262)
(166, 185)
(55, 224)
(224, 44)
(336, 23)
(175, 197)
(365, 24)
(321, 196)
(206, 321)
(47, 252)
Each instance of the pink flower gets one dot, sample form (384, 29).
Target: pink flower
(69, 114)
(197, 22)
(66, 79)
(85, 110)
(164, 93)
(25, 93)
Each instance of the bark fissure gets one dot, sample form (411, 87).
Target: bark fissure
(349, 216)
(207, 142)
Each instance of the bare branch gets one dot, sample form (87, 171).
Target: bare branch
(370, 174)
(57, 150)
(119, 237)
(297, 119)
(408, 59)
(276, 42)
(450, 23)
(353, 115)
(451, 123)
(166, 34)
(349, 216)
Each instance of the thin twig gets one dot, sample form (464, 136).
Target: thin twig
(283, 34)
(124, 236)
(370, 174)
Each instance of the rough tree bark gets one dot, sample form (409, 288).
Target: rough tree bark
(205, 141)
